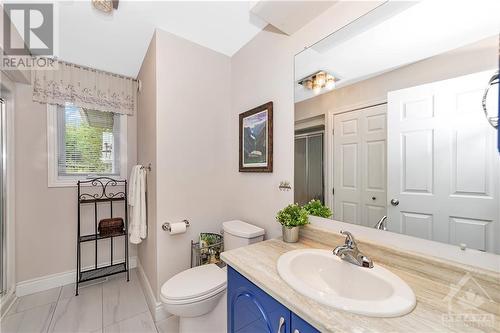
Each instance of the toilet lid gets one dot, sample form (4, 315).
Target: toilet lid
(194, 282)
(242, 229)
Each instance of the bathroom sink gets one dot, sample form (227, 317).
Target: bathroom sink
(324, 277)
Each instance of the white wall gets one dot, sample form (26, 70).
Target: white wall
(192, 146)
(191, 119)
(262, 71)
(146, 153)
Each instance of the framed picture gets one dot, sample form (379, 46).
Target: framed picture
(256, 139)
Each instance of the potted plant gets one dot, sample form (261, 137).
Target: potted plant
(316, 208)
(291, 218)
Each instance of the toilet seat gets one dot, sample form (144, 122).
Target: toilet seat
(194, 285)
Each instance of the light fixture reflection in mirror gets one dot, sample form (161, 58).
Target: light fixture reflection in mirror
(330, 82)
(317, 81)
(316, 88)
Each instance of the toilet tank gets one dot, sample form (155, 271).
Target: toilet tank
(238, 233)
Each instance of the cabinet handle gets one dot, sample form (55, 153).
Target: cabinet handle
(282, 322)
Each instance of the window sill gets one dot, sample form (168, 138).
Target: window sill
(72, 181)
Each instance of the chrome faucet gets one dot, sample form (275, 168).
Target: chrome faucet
(382, 224)
(350, 253)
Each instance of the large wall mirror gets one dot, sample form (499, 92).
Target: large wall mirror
(394, 129)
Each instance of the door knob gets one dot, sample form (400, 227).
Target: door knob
(394, 202)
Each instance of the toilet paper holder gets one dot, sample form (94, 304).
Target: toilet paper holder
(166, 226)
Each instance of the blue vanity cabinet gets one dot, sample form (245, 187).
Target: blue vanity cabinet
(251, 310)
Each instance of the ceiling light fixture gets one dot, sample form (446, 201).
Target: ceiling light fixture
(318, 81)
(105, 6)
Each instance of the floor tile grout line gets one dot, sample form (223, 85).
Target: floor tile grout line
(145, 300)
(13, 306)
(147, 311)
(132, 316)
(156, 326)
(54, 310)
(59, 298)
(18, 300)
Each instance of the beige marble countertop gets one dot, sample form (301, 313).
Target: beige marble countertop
(431, 279)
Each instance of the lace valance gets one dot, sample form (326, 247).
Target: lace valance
(86, 88)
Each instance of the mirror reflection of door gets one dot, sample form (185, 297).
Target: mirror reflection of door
(308, 182)
(359, 170)
(443, 165)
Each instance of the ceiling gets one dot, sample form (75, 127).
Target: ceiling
(118, 42)
(290, 16)
(394, 35)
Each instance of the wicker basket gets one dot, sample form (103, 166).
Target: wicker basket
(111, 226)
(207, 250)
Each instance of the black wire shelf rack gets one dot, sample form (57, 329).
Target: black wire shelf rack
(101, 191)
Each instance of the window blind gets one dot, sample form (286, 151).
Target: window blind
(88, 142)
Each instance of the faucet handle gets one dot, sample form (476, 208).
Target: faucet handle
(349, 240)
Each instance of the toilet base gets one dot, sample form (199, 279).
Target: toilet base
(213, 322)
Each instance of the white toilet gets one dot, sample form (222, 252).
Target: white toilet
(198, 295)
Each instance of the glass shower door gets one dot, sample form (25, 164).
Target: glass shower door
(3, 161)
(308, 174)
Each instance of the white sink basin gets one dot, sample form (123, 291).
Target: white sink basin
(324, 277)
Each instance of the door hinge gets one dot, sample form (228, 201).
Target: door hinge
(333, 191)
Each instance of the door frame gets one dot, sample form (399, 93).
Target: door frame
(3, 197)
(329, 142)
(7, 89)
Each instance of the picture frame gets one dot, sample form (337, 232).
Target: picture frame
(256, 139)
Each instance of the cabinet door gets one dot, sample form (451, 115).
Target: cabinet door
(251, 310)
(299, 325)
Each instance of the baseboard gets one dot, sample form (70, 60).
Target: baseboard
(55, 280)
(155, 307)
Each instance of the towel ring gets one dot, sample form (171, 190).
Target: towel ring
(493, 120)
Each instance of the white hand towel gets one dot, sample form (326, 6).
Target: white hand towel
(132, 189)
(137, 203)
(142, 225)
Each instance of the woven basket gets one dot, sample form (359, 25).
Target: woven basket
(111, 226)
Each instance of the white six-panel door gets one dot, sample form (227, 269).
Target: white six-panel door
(443, 167)
(360, 166)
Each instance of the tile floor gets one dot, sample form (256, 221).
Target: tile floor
(112, 306)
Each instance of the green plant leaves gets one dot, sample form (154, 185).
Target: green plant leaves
(292, 216)
(316, 208)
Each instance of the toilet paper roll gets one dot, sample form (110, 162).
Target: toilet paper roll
(177, 228)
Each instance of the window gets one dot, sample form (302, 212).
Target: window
(84, 144)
